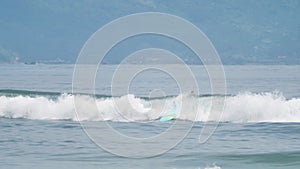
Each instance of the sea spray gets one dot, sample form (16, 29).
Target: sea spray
(244, 107)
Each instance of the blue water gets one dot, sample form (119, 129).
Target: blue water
(48, 144)
(260, 127)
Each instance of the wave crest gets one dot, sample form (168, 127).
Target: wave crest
(244, 107)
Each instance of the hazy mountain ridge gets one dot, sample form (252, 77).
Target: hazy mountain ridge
(243, 32)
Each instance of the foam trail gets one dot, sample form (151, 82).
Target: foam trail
(242, 108)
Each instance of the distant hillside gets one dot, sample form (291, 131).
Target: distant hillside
(243, 32)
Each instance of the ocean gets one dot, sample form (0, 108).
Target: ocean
(257, 127)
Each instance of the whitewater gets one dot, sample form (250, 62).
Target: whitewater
(44, 124)
(241, 108)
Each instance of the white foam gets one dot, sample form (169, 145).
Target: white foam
(264, 107)
(246, 107)
(213, 167)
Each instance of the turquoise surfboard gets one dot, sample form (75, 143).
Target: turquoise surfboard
(170, 115)
(166, 118)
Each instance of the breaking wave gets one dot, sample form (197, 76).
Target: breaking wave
(244, 107)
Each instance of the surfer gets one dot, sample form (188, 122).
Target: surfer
(192, 93)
